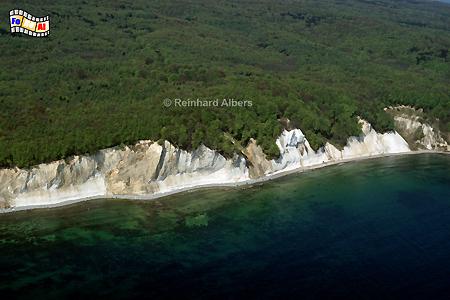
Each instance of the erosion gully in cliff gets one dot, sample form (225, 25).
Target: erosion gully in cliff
(149, 169)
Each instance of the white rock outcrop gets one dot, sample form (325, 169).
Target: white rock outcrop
(296, 151)
(151, 169)
(144, 169)
(420, 134)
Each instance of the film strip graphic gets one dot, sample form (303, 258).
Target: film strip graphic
(23, 22)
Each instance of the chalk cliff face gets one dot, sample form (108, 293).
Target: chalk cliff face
(146, 168)
(51, 183)
(420, 134)
(150, 169)
(296, 151)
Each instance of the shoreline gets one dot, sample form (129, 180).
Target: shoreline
(249, 182)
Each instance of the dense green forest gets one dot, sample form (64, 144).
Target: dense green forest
(101, 76)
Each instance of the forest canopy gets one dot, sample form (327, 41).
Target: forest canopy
(100, 78)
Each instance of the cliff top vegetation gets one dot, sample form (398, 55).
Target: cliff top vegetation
(101, 76)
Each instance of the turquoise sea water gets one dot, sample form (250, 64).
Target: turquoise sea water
(363, 230)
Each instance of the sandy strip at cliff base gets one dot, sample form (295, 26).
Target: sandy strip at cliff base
(214, 186)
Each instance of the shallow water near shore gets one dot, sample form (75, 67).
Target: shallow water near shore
(365, 229)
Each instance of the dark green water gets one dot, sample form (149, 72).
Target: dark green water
(370, 229)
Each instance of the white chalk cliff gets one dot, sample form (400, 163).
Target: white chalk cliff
(144, 169)
(149, 169)
(420, 134)
(296, 153)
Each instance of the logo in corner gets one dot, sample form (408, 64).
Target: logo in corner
(23, 22)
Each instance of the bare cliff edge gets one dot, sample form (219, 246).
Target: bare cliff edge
(148, 170)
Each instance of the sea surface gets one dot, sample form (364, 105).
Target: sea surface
(375, 229)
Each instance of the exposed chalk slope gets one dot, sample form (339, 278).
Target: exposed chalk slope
(148, 168)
